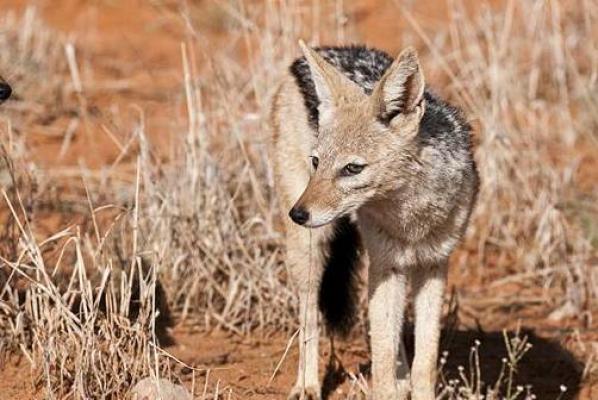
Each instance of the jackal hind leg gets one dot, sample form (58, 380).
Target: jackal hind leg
(428, 286)
(305, 261)
(387, 292)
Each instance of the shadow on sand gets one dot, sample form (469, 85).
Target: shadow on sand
(546, 366)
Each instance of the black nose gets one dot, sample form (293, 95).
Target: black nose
(5, 91)
(299, 215)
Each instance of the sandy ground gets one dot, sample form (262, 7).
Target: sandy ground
(144, 51)
(245, 367)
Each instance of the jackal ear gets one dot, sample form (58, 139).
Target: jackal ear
(330, 84)
(401, 89)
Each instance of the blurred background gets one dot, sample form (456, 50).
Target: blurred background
(139, 230)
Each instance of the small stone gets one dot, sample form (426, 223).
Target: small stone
(158, 389)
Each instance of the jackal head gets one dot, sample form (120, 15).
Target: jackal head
(366, 144)
(5, 90)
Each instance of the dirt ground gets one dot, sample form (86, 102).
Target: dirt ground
(146, 49)
(245, 368)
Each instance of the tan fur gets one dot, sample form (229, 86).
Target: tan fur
(408, 232)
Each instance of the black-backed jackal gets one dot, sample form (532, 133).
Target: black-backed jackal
(377, 166)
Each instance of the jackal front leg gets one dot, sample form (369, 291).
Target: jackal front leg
(307, 386)
(387, 291)
(306, 261)
(428, 287)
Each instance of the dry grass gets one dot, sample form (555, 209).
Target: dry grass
(527, 78)
(470, 385)
(206, 221)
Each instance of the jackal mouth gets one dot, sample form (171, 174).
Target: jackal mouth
(302, 216)
(315, 225)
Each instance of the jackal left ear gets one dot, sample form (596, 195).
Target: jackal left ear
(330, 84)
(401, 89)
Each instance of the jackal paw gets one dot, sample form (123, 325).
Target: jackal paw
(422, 387)
(311, 392)
(403, 388)
(398, 391)
(422, 393)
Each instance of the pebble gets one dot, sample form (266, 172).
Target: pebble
(158, 389)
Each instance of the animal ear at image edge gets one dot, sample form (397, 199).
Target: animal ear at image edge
(5, 90)
(401, 89)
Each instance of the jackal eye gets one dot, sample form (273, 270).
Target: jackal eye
(314, 162)
(352, 169)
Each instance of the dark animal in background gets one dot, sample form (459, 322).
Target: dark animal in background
(5, 90)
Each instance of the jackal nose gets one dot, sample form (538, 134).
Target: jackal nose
(299, 215)
(5, 91)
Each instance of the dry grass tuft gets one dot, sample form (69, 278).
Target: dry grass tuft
(87, 321)
(470, 385)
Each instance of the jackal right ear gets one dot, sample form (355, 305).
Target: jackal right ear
(331, 85)
(401, 89)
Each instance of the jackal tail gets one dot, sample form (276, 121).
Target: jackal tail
(338, 297)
